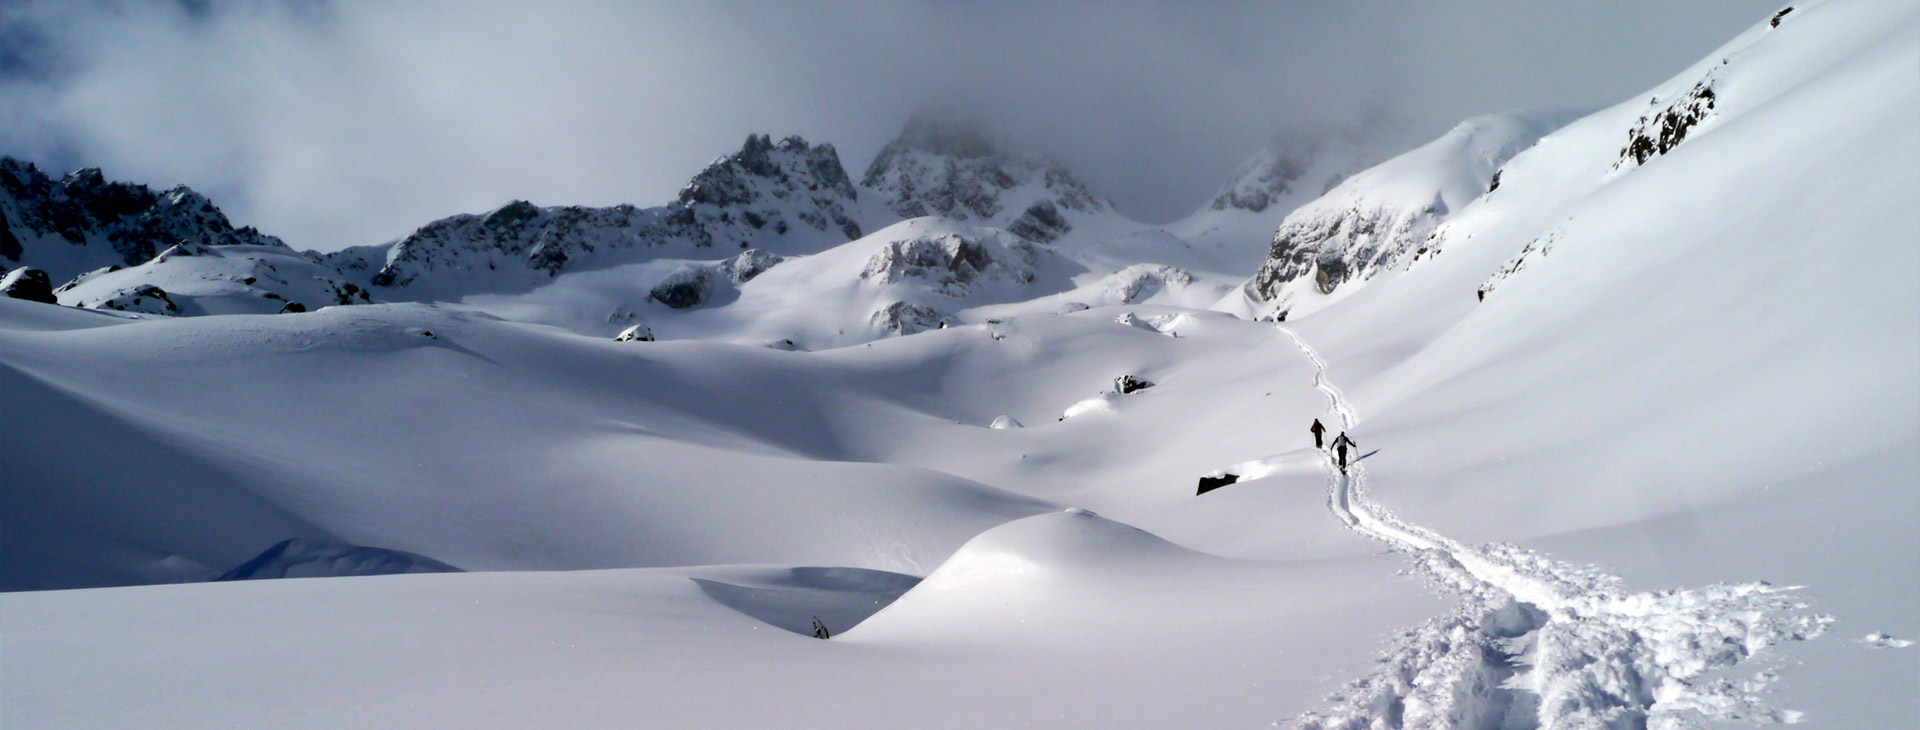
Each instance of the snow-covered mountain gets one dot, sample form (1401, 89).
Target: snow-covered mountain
(1293, 169)
(942, 167)
(786, 197)
(84, 222)
(1636, 446)
(1383, 217)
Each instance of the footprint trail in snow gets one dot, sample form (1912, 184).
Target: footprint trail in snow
(1536, 643)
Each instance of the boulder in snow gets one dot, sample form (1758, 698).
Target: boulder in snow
(636, 333)
(906, 318)
(750, 263)
(28, 283)
(1130, 384)
(684, 289)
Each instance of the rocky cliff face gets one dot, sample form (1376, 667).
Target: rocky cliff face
(83, 221)
(1386, 215)
(789, 197)
(939, 167)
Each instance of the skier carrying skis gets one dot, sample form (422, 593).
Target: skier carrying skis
(1340, 446)
(1319, 432)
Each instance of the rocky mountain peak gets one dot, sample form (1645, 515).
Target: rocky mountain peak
(787, 197)
(943, 166)
(85, 221)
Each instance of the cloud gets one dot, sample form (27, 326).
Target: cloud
(343, 123)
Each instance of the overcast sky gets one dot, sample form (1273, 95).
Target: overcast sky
(342, 123)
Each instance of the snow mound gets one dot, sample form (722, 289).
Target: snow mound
(1030, 571)
(310, 558)
(192, 279)
(793, 598)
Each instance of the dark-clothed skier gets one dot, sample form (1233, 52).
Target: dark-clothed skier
(1340, 446)
(1319, 434)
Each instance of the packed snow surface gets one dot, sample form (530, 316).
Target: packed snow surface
(1637, 441)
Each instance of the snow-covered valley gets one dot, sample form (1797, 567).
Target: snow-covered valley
(1633, 396)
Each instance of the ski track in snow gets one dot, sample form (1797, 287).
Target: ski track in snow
(1540, 644)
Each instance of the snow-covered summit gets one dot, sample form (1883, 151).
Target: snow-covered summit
(84, 221)
(786, 197)
(1383, 216)
(938, 166)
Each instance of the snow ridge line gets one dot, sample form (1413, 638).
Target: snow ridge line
(1539, 644)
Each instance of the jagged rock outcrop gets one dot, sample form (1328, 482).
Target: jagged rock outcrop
(684, 289)
(636, 333)
(751, 263)
(1130, 384)
(1667, 123)
(906, 318)
(28, 283)
(938, 166)
(1140, 282)
(1268, 177)
(789, 196)
(83, 221)
(952, 264)
(314, 558)
(1386, 215)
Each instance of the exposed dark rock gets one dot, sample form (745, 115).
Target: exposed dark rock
(293, 308)
(684, 289)
(906, 318)
(1774, 22)
(952, 264)
(1661, 130)
(1041, 222)
(751, 263)
(765, 190)
(938, 166)
(28, 283)
(1211, 482)
(1130, 384)
(121, 223)
(144, 298)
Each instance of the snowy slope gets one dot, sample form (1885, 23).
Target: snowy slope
(192, 279)
(1691, 369)
(1668, 359)
(1383, 217)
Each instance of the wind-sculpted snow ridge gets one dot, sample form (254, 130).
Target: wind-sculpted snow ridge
(1536, 643)
(789, 197)
(83, 221)
(941, 167)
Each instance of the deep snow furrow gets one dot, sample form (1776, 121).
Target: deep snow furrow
(1541, 644)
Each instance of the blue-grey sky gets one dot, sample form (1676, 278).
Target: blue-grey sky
(336, 123)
